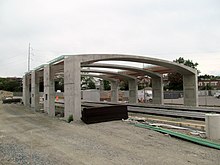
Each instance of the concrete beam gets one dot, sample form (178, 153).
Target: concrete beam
(100, 76)
(91, 58)
(135, 69)
(127, 77)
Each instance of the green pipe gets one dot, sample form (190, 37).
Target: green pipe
(193, 139)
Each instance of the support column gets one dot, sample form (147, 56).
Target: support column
(114, 91)
(72, 88)
(34, 91)
(49, 91)
(157, 90)
(190, 90)
(26, 90)
(133, 91)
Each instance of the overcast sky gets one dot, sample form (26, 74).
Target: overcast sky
(165, 29)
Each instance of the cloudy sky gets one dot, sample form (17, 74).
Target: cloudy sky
(165, 29)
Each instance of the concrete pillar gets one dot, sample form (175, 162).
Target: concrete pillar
(72, 88)
(212, 126)
(49, 91)
(157, 90)
(101, 88)
(114, 91)
(26, 90)
(34, 91)
(190, 90)
(133, 91)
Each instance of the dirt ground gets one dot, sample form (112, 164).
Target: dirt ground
(33, 138)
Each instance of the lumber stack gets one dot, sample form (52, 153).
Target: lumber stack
(103, 114)
(11, 100)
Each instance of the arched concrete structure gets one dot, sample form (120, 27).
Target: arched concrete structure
(122, 76)
(99, 76)
(157, 82)
(132, 82)
(71, 65)
(135, 69)
(190, 87)
(91, 58)
(114, 85)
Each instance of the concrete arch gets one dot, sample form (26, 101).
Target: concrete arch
(71, 65)
(135, 69)
(157, 82)
(114, 85)
(91, 58)
(128, 77)
(100, 76)
(132, 81)
(190, 82)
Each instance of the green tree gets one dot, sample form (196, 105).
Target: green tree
(87, 83)
(176, 79)
(11, 84)
(124, 85)
(106, 85)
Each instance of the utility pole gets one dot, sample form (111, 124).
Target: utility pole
(29, 57)
(144, 86)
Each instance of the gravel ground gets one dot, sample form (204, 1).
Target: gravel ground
(33, 138)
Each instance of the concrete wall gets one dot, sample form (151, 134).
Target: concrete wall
(91, 95)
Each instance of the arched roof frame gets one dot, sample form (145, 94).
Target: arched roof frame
(123, 67)
(108, 73)
(91, 58)
(100, 76)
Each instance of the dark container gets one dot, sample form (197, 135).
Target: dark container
(103, 114)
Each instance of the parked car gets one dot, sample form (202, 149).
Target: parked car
(217, 95)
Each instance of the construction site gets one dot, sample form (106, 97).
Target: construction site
(75, 126)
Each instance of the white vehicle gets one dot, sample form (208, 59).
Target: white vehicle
(144, 96)
(217, 95)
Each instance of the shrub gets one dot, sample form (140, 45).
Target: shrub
(70, 118)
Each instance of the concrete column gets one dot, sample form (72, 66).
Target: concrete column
(157, 90)
(101, 88)
(26, 90)
(190, 90)
(72, 88)
(133, 91)
(49, 91)
(114, 91)
(34, 91)
(212, 126)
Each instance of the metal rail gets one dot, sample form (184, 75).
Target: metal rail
(197, 113)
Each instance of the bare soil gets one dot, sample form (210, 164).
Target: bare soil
(28, 137)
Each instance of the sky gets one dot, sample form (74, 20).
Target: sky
(164, 29)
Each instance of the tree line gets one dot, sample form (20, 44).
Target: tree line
(11, 84)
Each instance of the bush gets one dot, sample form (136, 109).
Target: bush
(70, 118)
